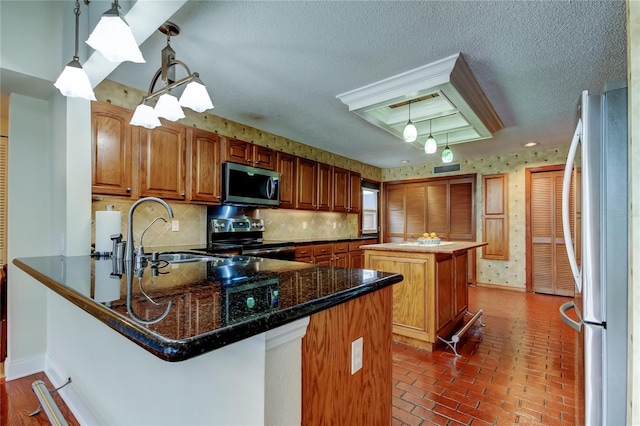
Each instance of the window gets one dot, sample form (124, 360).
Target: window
(370, 211)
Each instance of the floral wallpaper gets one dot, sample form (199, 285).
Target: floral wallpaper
(506, 273)
(290, 224)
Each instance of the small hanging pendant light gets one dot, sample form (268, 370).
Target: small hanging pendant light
(410, 133)
(447, 154)
(430, 146)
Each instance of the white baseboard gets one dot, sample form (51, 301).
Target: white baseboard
(24, 367)
(76, 405)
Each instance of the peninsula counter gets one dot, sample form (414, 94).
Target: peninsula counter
(250, 340)
(432, 300)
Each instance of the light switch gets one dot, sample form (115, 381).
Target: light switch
(175, 225)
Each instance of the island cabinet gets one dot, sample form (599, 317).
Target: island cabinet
(432, 299)
(238, 151)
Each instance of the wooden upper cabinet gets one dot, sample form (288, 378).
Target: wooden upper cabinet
(325, 187)
(204, 154)
(340, 190)
(162, 161)
(238, 151)
(415, 211)
(286, 166)
(110, 150)
(355, 192)
(306, 171)
(347, 191)
(395, 213)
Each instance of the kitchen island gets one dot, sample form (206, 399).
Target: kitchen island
(223, 325)
(432, 300)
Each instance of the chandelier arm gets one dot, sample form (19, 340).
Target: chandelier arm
(168, 87)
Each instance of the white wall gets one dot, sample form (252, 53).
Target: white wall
(29, 228)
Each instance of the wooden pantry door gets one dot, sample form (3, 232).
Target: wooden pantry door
(548, 268)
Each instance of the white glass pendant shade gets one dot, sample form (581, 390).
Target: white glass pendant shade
(169, 108)
(430, 146)
(74, 82)
(113, 38)
(410, 133)
(145, 116)
(447, 155)
(195, 96)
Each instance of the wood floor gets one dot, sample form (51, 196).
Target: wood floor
(519, 369)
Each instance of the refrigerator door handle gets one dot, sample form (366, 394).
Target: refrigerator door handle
(566, 224)
(577, 326)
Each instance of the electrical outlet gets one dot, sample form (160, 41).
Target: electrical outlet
(304, 225)
(334, 225)
(175, 225)
(356, 355)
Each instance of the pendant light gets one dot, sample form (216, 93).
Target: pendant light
(194, 96)
(430, 146)
(113, 37)
(410, 133)
(447, 154)
(73, 81)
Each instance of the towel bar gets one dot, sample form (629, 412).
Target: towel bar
(458, 334)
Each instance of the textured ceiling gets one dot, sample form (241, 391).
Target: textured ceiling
(278, 66)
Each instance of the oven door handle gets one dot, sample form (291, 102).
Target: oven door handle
(258, 252)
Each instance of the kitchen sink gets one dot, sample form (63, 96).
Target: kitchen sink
(184, 257)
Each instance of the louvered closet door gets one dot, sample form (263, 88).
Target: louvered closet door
(550, 267)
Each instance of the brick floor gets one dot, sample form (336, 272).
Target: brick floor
(519, 369)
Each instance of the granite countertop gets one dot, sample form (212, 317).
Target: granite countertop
(180, 310)
(444, 247)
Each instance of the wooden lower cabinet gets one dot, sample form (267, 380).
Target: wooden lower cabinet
(431, 300)
(331, 395)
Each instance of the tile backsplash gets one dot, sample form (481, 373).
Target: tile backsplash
(280, 224)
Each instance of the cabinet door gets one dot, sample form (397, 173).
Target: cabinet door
(288, 180)
(307, 183)
(355, 192)
(204, 149)
(325, 189)
(237, 151)
(460, 282)
(415, 211)
(110, 150)
(162, 161)
(437, 208)
(461, 208)
(394, 209)
(356, 259)
(341, 260)
(264, 157)
(340, 189)
(444, 290)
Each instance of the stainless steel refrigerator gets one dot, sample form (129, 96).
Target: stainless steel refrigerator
(596, 232)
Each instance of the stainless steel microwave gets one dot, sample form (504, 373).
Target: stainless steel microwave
(248, 185)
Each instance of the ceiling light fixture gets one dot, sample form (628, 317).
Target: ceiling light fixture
(194, 96)
(447, 154)
(410, 133)
(73, 81)
(112, 37)
(430, 146)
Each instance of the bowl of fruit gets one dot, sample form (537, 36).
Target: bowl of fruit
(429, 239)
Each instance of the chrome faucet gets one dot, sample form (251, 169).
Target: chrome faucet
(140, 249)
(129, 250)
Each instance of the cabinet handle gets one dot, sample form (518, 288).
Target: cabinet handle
(249, 160)
(128, 189)
(182, 194)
